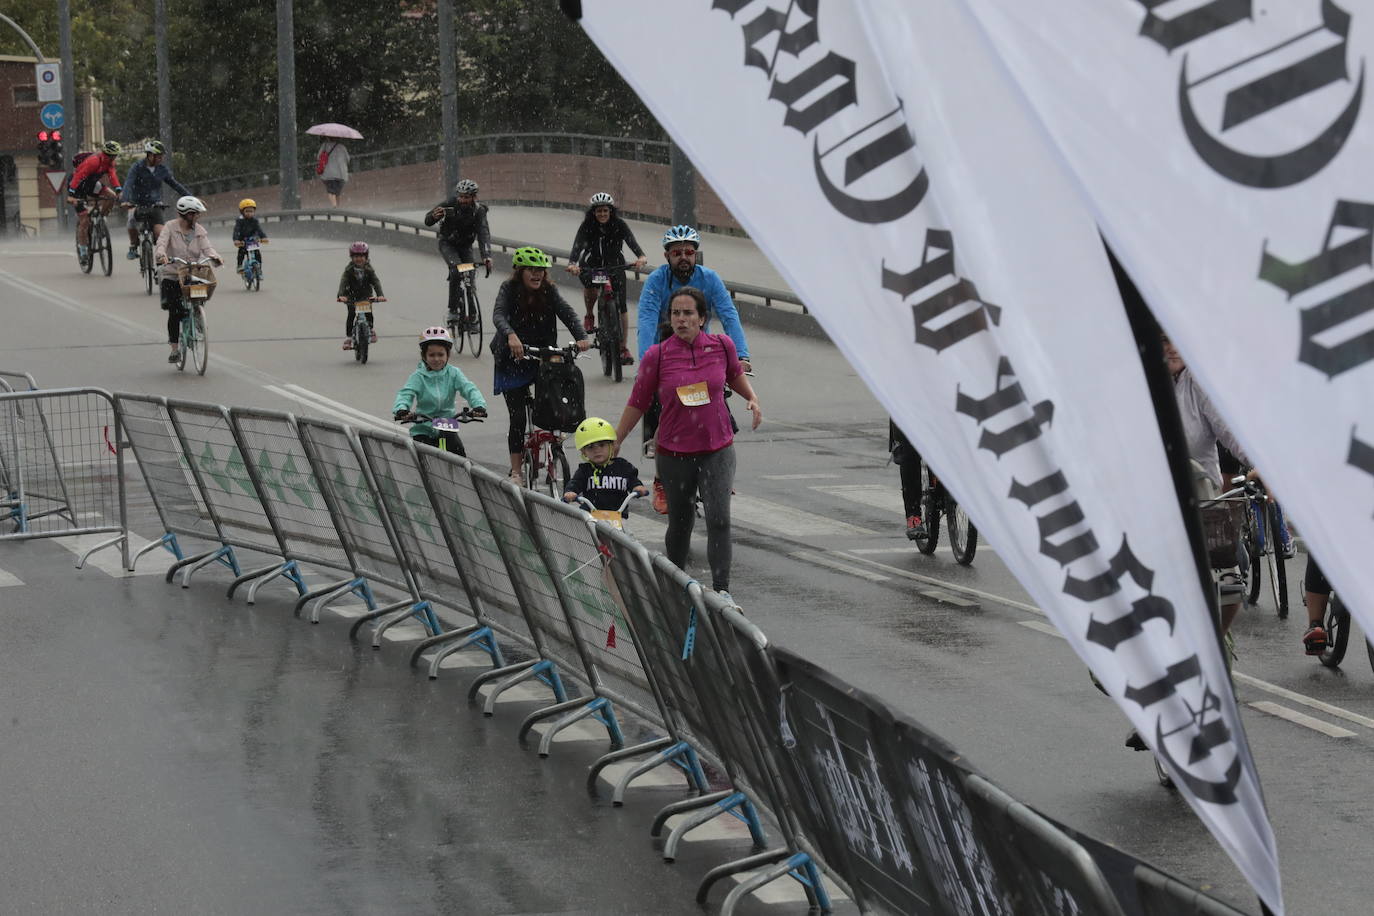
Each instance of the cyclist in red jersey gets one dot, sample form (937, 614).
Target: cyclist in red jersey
(94, 177)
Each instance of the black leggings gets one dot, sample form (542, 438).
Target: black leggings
(171, 301)
(684, 477)
(1314, 580)
(516, 399)
(909, 463)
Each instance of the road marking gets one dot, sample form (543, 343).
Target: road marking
(108, 560)
(360, 416)
(1301, 718)
(875, 495)
(1305, 700)
(9, 579)
(1040, 626)
(321, 404)
(761, 513)
(821, 559)
(877, 551)
(800, 476)
(950, 586)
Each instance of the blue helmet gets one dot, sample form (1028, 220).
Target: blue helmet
(681, 234)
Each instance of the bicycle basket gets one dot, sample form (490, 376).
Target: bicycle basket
(198, 280)
(1223, 526)
(558, 397)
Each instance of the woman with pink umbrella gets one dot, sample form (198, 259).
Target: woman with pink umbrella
(332, 164)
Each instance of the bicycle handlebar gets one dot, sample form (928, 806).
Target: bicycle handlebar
(629, 498)
(570, 350)
(463, 416)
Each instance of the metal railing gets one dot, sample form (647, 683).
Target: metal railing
(855, 791)
(628, 148)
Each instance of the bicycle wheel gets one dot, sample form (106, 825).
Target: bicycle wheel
(145, 263)
(963, 535)
(201, 332)
(930, 512)
(1277, 568)
(1252, 552)
(100, 246)
(457, 332)
(248, 273)
(1336, 623)
(361, 339)
(187, 340)
(606, 324)
(611, 316)
(474, 328)
(530, 465)
(556, 475)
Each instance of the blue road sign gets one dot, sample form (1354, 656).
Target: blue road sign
(51, 115)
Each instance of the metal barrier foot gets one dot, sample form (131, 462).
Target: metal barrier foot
(187, 561)
(168, 540)
(421, 611)
(248, 577)
(542, 669)
(686, 804)
(471, 635)
(321, 591)
(691, 768)
(600, 707)
(362, 589)
(495, 673)
(373, 615)
(758, 860)
(726, 805)
(117, 539)
(627, 753)
(800, 860)
(223, 555)
(289, 570)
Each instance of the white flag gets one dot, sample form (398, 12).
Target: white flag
(880, 156)
(1227, 151)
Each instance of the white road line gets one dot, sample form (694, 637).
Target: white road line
(878, 551)
(1040, 626)
(875, 495)
(108, 560)
(339, 406)
(799, 476)
(322, 406)
(1307, 701)
(753, 512)
(948, 586)
(820, 559)
(1302, 718)
(9, 579)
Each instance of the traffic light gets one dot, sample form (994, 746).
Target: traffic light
(55, 139)
(50, 149)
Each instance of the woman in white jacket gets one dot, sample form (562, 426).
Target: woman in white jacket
(183, 238)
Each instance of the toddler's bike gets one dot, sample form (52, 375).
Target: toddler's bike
(252, 263)
(363, 335)
(446, 437)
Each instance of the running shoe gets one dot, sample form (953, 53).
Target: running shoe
(173, 356)
(588, 323)
(625, 358)
(132, 253)
(1314, 640)
(915, 531)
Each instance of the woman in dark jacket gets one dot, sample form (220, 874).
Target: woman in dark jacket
(598, 244)
(527, 311)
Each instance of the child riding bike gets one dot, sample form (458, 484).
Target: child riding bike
(432, 390)
(358, 283)
(603, 478)
(247, 227)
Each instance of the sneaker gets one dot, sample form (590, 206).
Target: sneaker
(588, 323)
(474, 325)
(1288, 550)
(1314, 641)
(625, 358)
(516, 478)
(914, 530)
(83, 251)
(173, 356)
(660, 498)
(132, 253)
(371, 336)
(348, 343)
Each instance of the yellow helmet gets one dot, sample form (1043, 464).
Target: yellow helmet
(591, 431)
(246, 203)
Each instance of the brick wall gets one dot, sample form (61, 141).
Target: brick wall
(639, 188)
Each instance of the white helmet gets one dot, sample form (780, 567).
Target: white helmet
(436, 335)
(189, 204)
(602, 199)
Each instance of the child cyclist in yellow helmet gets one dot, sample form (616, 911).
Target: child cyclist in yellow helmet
(247, 227)
(603, 480)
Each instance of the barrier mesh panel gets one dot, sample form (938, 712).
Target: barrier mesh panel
(530, 576)
(290, 488)
(598, 611)
(58, 454)
(417, 524)
(228, 488)
(457, 500)
(166, 467)
(360, 518)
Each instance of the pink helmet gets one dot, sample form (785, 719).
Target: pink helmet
(357, 248)
(436, 335)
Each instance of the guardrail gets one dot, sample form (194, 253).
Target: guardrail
(769, 297)
(628, 148)
(459, 558)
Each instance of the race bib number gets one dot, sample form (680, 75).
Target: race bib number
(694, 395)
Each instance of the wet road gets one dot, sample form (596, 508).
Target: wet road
(820, 559)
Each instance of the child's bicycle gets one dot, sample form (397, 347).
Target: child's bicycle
(467, 323)
(363, 335)
(195, 330)
(935, 502)
(543, 449)
(446, 438)
(608, 338)
(252, 263)
(614, 517)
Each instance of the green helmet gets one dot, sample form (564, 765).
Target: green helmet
(530, 256)
(110, 148)
(591, 431)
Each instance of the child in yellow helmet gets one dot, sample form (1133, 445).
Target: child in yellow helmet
(602, 479)
(247, 227)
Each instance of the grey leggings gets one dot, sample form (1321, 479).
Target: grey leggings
(711, 475)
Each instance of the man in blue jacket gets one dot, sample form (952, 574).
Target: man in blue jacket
(680, 245)
(143, 188)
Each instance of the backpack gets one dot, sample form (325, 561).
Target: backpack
(558, 397)
(321, 162)
(80, 158)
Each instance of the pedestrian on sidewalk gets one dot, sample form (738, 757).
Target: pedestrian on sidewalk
(332, 166)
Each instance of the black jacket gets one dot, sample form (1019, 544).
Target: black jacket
(248, 227)
(534, 328)
(605, 487)
(599, 245)
(355, 285)
(462, 226)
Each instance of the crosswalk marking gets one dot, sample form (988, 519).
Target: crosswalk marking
(8, 579)
(1302, 718)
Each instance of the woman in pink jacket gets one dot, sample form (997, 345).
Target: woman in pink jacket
(689, 372)
(186, 239)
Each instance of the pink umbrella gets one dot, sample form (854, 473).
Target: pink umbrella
(337, 131)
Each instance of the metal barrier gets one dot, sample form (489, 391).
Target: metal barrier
(62, 466)
(854, 790)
